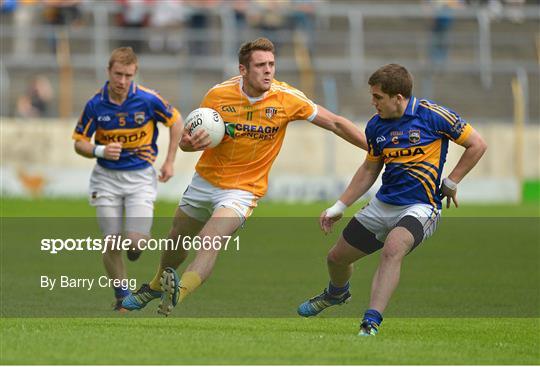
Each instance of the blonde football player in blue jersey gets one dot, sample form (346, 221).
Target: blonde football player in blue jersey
(123, 116)
(410, 138)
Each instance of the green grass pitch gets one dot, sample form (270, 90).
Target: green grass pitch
(469, 295)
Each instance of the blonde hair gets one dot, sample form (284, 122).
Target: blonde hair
(124, 56)
(260, 44)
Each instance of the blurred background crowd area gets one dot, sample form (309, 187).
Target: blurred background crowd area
(480, 58)
(463, 54)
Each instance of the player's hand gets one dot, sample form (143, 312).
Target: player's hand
(327, 222)
(331, 216)
(200, 140)
(449, 190)
(112, 151)
(166, 172)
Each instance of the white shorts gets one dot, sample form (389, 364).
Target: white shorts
(380, 218)
(123, 188)
(138, 219)
(201, 198)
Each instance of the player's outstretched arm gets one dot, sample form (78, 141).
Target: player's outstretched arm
(362, 180)
(475, 147)
(110, 151)
(175, 133)
(340, 126)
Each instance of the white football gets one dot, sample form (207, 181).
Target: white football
(209, 120)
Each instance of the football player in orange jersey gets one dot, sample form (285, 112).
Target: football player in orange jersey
(231, 177)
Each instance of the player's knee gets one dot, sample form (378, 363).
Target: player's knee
(394, 249)
(209, 232)
(110, 249)
(333, 258)
(184, 226)
(137, 239)
(110, 253)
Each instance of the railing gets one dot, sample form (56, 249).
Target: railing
(100, 33)
(352, 42)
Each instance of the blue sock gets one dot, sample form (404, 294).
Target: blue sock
(337, 291)
(120, 292)
(373, 316)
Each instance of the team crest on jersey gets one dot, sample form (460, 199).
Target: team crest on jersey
(139, 118)
(270, 112)
(414, 136)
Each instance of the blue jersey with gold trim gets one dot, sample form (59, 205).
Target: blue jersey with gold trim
(133, 123)
(413, 149)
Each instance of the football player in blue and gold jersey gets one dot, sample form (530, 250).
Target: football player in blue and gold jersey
(410, 138)
(123, 118)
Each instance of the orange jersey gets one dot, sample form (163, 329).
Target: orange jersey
(255, 129)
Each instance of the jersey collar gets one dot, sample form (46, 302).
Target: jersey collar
(410, 111)
(412, 107)
(105, 91)
(251, 100)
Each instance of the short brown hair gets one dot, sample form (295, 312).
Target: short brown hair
(124, 56)
(260, 44)
(394, 79)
